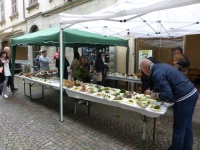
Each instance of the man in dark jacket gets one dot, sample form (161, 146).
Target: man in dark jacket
(171, 85)
(186, 62)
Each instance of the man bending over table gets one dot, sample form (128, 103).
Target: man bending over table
(172, 85)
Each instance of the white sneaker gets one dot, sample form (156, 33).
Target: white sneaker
(5, 96)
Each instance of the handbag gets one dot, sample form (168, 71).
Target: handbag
(97, 76)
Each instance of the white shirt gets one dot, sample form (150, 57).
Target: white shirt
(6, 69)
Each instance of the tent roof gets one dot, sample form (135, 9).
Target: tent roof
(140, 19)
(48, 37)
(51, 36)
(124, 8)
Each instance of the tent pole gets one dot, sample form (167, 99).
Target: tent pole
(127, 64)
(61, 74)
(127, 59)
(13, 54)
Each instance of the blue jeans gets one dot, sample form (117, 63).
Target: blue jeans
(182, 128)
(5, 86)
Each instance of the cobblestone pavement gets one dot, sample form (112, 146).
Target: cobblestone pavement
(35, 125)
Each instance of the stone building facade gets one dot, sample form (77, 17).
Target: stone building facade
(19, 17)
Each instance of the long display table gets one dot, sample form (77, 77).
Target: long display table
(103, 98)
(43, 82)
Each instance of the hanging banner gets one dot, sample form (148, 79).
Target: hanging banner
(144, 54)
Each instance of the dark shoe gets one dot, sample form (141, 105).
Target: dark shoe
(14, 90)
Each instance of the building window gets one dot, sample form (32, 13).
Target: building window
(31, 2)
(2, 11)
(14, 6)
(32, 5)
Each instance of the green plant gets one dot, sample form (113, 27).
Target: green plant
(122, 91)
(82, 73)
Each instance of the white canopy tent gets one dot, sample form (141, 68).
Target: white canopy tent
(129, 18)
(138, 19)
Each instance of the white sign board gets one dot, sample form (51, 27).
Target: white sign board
(144, 54)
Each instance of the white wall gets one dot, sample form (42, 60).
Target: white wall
(8, 12)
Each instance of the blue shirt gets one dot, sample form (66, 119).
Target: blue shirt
(44, 63)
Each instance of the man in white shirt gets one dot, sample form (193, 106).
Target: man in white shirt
(44, 61)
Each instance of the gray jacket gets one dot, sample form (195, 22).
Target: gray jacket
(44, 63)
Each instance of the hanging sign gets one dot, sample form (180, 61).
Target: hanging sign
(144, 54)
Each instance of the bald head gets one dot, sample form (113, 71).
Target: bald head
(145, 66)
(7, 49)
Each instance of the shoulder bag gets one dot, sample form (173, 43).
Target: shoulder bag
(97, 76)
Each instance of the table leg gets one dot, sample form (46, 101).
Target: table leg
(74, 106)
(127, 85)
(134, 86)
(75, 102)
(42, 91)
(116, 84)
(24, 87)
(154, 129)
(88, 108)
(144, 120)
(30, 91)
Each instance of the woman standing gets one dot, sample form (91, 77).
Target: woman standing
(83, 74)
(7, 74)
(75, 64)
(84, 67)
(2, 78)
(99, 67)
(65, 67)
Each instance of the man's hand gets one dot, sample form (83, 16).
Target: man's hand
(153, 95)
(147, 92)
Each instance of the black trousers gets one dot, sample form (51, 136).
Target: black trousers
(11, 83)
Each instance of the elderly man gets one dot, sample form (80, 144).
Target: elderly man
(44, 61)
(171, 85)
(10, 82)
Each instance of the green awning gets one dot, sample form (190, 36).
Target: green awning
(71, 38)
(51, 37)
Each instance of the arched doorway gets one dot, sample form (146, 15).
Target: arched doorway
(34, 28)
(35, 49)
